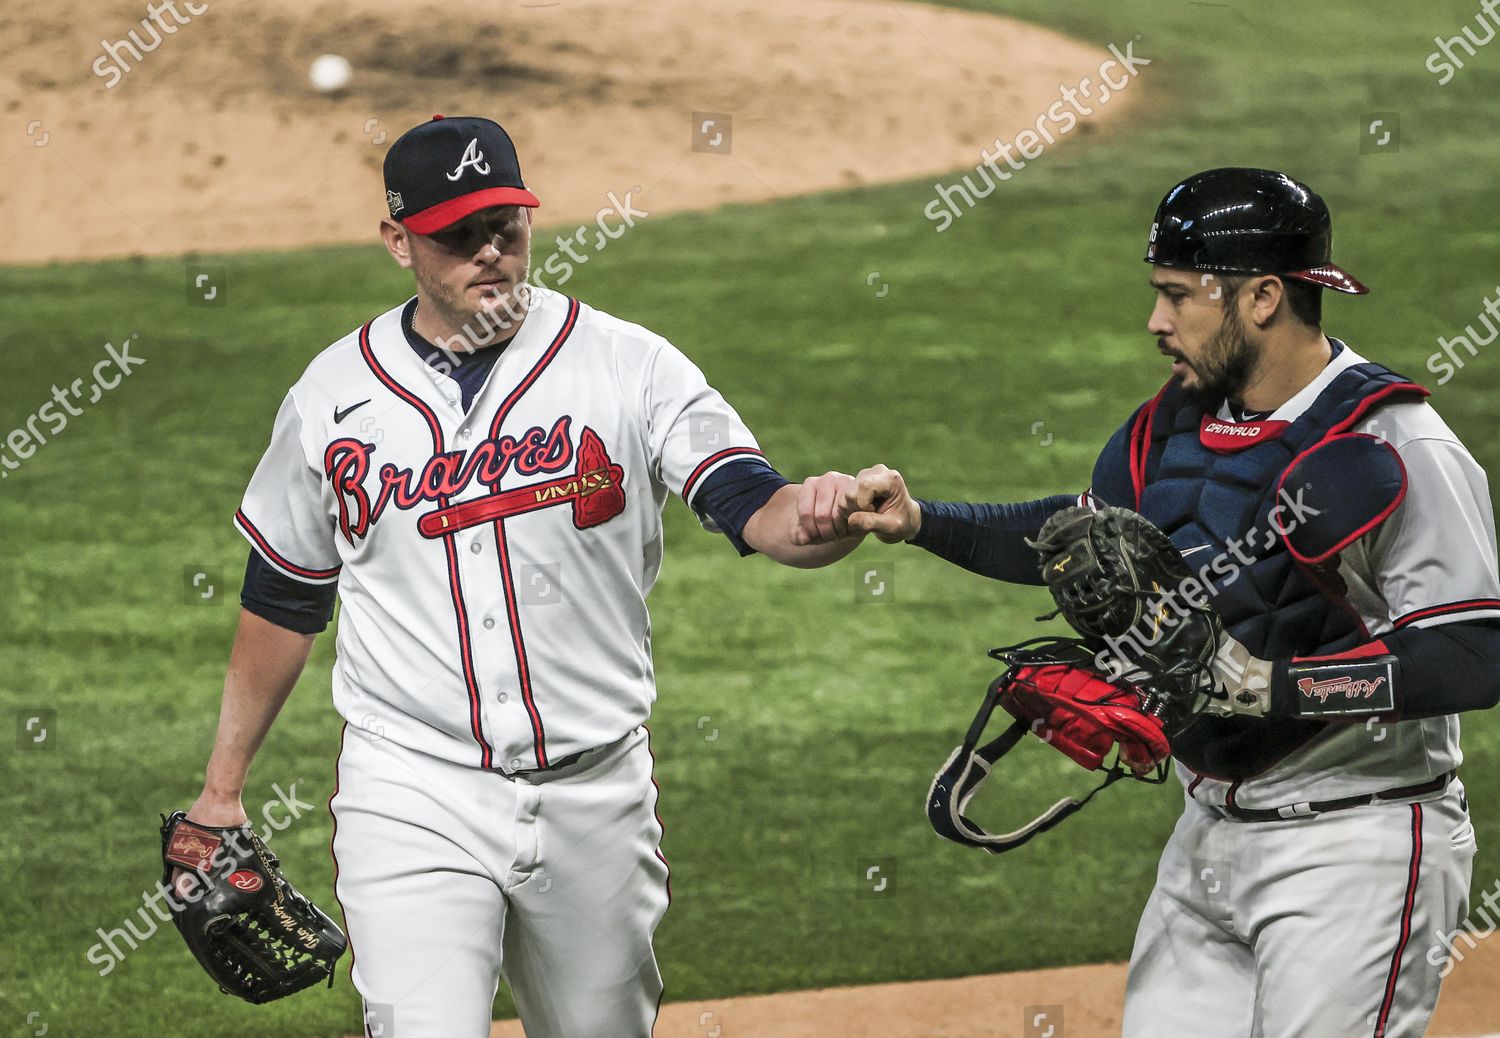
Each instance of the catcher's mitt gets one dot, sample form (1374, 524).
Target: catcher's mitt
(256, 934)
(1122, 584)
(1140, 672)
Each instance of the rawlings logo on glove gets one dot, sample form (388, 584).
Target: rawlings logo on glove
(254, 933)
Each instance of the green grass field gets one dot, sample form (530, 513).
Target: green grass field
(831, 713)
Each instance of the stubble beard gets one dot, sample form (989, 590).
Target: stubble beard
(493, 320)
(1225, 363)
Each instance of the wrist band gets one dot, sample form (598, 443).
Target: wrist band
(1360, 687)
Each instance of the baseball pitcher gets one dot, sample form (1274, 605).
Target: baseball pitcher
(478, 474)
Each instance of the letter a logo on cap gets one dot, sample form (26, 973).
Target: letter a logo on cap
(474, 158)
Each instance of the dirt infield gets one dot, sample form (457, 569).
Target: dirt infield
(215, 141)
(1089, 996)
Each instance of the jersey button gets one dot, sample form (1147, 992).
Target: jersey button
(476, 547)
(515, 764)
(489, 624)
(463, 434)
(502, 698)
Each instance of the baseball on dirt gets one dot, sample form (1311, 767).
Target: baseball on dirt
(330, 72)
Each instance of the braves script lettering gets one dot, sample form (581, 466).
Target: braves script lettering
(347, 462)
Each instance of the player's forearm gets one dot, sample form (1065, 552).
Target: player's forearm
(988, 539)
(772, 531)
(812, 556)
(1405, 675)
(263, 667)
(1449, 669)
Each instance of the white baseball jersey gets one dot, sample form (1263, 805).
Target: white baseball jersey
(1433, 561)
(511, 633)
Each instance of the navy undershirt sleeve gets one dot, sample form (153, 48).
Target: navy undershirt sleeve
(1448, 669)
(988, 539)
(285, 601)
(735, 491)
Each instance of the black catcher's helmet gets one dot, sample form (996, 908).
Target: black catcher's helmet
(1248, 221)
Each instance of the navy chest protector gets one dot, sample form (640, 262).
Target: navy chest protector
(1261, 510)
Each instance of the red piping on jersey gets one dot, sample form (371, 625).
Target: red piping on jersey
(272, 555)
(1140, 444)
(687, 486)
(1349, 539)
(1465, 606)
(502, 549)
(455, 588)
(537, 368)
(1413, 874)
(518, 643)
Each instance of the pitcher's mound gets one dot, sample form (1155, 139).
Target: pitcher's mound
(212, 138)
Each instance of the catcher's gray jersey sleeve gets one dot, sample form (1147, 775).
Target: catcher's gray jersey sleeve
(1434, 559)
(691, 428)
(283, 514)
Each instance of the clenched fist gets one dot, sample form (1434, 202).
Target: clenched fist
(820, 512)
(879, 503)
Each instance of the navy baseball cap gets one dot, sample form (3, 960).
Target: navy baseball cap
(439, 172)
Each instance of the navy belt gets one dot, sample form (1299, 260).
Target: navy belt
(1321, 807)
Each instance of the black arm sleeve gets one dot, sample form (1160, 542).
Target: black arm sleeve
(988, 539)
(734, 492)
(293, 604)
(1447, 669)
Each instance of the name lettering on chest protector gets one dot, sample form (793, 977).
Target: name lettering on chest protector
(594, 487)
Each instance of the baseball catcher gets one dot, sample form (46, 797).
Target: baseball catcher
(1309, 673)
(257, 935)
